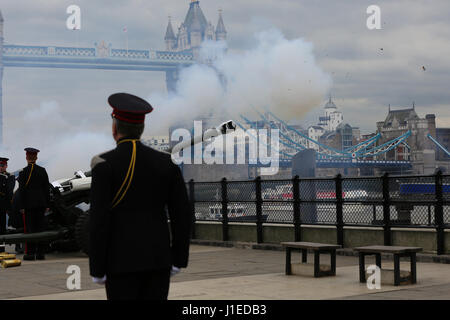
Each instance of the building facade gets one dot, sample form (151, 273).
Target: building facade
(418, 148)
(333, 117)
(160, 143)
(332, 131)
(443, 137)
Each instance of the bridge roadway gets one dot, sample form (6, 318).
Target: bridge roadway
(345, 163)
(100, 57)
(226, 273)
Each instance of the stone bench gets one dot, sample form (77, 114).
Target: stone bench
(316, 269)
(398, 276)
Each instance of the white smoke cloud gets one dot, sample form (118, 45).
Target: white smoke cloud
(198, 91)
(65, 146)
(280, 75)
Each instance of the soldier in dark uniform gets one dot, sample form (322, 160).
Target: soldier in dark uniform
(33, 202)
(7, 183)
(132, 185)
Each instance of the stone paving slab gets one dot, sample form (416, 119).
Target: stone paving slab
(228, 273)
(433, 292)
(277, 286)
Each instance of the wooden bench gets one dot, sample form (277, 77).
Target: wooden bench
(317, 248)
(397, 252)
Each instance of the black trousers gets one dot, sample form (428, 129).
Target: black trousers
(2, 225)
(2, 221)
(34, 221)
(149, 285)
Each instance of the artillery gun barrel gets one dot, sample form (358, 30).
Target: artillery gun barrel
(224, 128)
(33, 237)
(82, 181)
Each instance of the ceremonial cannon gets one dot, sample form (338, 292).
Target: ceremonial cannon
(68, 218)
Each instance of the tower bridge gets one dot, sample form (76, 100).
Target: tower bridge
(101, 56)
(364, 154)
(181, 52)
(403, 143)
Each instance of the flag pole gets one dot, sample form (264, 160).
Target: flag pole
(126, 37)
(76, 36)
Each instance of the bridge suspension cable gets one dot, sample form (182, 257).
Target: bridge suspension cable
(361, 150)
(326, 150)
(287, 155)
(439, 145)
(294, 145)
(386, 146)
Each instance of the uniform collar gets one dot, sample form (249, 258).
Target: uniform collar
(126, 138)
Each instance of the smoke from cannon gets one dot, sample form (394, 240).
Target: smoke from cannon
(67, 223)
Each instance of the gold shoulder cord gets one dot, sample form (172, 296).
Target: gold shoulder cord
(29, 176)
(128, 177)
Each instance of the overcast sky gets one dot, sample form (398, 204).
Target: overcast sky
(366, 78)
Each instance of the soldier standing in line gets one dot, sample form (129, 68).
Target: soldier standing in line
(7, 183)
(34, 202)
(131, 187)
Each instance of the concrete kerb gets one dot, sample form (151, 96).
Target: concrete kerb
(421, 257)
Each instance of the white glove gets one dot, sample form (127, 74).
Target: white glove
(174, 271)
(99, 280)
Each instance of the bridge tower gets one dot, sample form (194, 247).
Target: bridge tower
(191, 33)
(170, 37)
(221, 33)
(1, 79)
(171, 80)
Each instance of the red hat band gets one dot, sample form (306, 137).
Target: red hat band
(128, 116)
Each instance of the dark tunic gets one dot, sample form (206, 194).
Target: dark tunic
(134, 236)
(35, 194)
(34, 190)
(7, 183)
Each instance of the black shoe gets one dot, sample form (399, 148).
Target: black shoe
(19, 249)
(40, 257)
(29, 257)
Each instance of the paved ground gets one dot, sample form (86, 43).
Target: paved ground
(227, 273)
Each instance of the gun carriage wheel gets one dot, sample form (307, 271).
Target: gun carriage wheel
(82, 231)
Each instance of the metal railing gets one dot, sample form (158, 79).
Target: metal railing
(385, 202)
